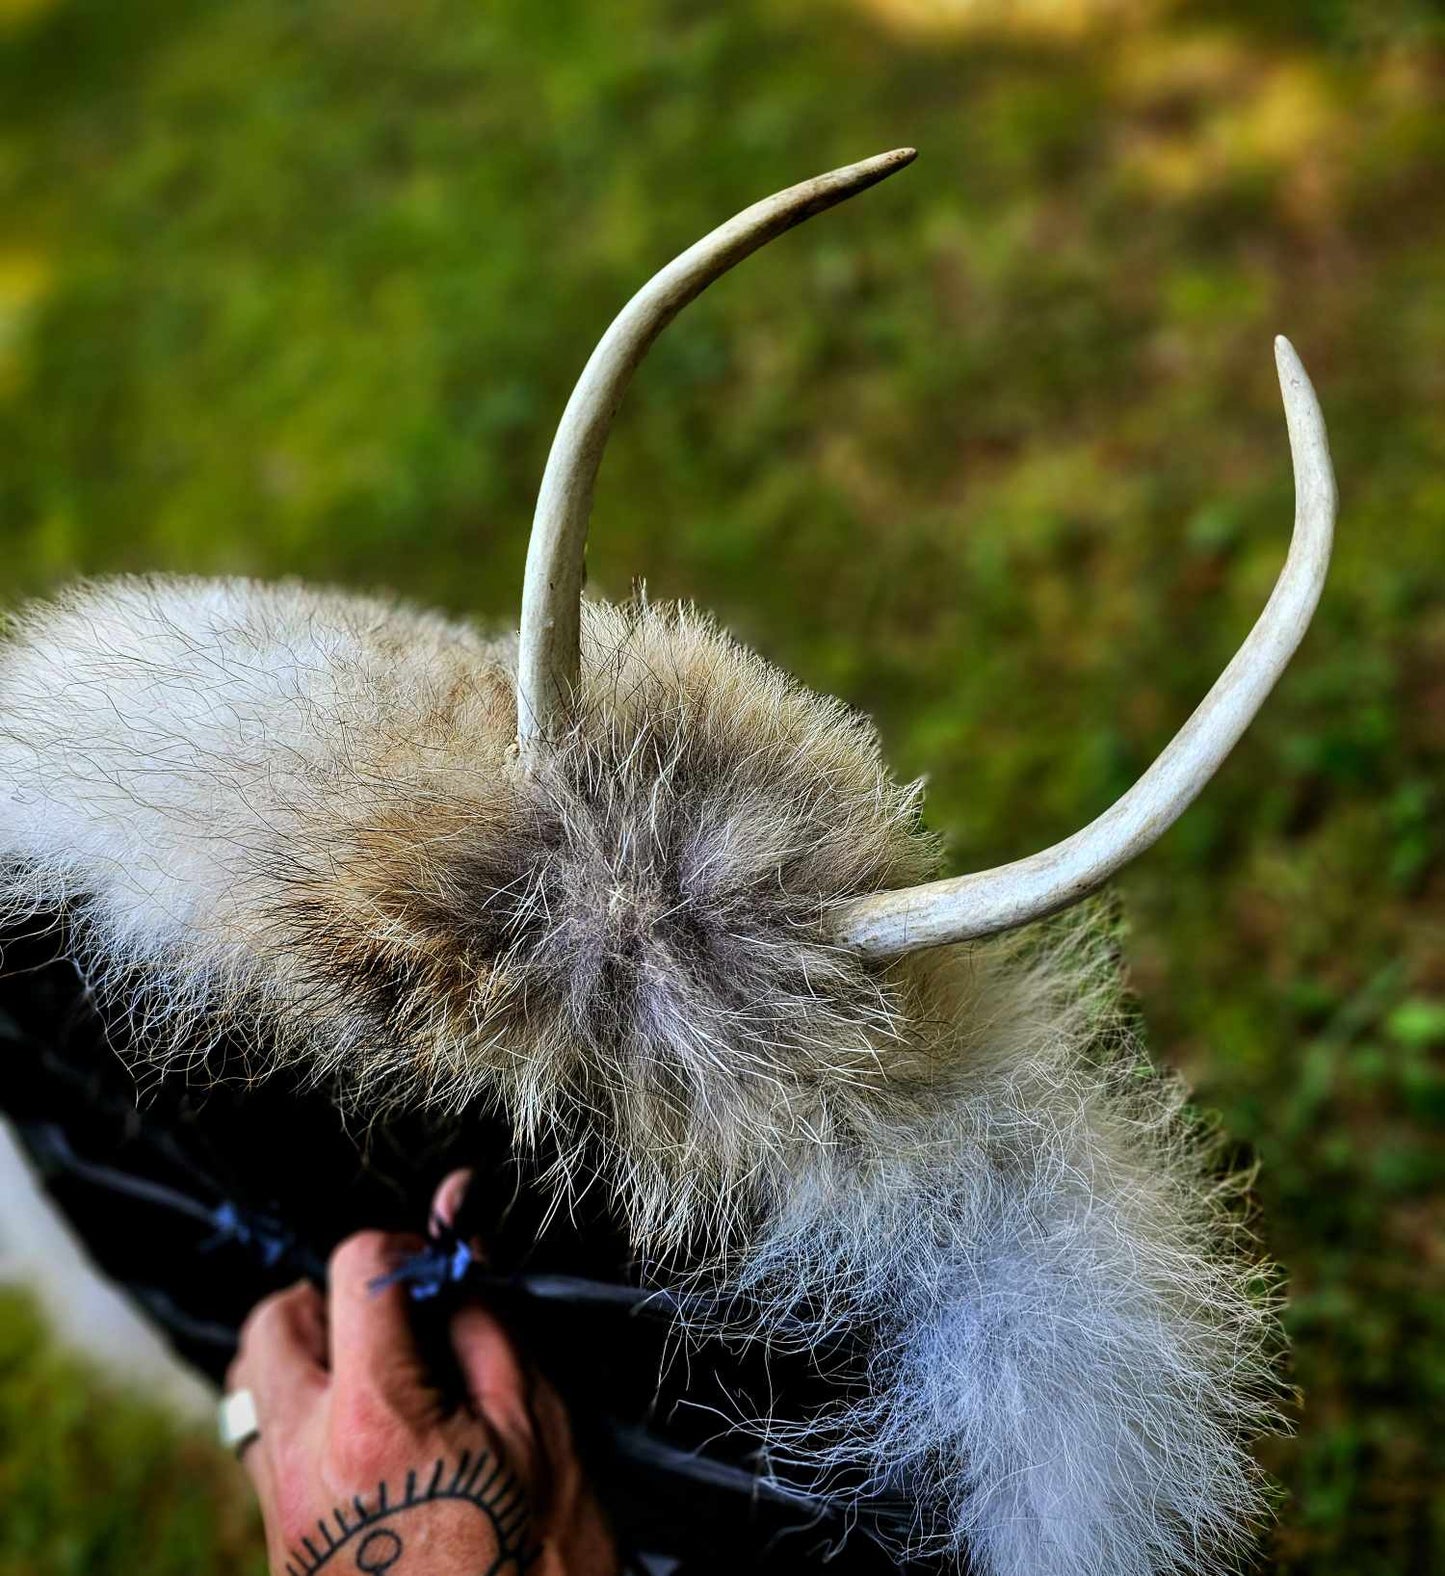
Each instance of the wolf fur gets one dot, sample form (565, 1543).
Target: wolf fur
(300, 815)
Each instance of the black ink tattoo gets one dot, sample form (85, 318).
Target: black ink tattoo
(360, 1543)
(380, 1549)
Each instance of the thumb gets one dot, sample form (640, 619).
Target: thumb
(448, 1200)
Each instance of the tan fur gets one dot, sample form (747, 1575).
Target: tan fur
(300, 817)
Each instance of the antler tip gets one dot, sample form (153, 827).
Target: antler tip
(1286, 359)
(854, 178)
(887, 163)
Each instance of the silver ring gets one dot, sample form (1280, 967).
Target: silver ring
(236, 1421)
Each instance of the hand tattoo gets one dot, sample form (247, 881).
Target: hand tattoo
(364, 1539)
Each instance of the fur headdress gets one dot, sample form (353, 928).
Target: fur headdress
(632, 888)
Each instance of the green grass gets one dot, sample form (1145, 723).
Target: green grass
(93, 1482)
(994, 452)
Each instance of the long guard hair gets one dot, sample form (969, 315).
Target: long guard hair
(641, 895)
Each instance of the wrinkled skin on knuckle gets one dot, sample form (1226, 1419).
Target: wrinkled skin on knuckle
(275, 1319)
(391, 1396)
(372, 1432)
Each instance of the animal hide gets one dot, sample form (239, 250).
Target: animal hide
(297, 819)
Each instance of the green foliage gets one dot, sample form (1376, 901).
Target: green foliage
(994, 452)
(95, 1483)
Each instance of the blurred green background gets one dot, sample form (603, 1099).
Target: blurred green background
(995, 452)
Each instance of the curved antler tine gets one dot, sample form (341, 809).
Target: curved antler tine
(887, 924)
(547, 663)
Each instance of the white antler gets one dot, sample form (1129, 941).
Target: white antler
(888, 923)
(547, 663)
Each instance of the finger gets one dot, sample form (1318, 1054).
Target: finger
(551, 1420)
(575, 1523)
(282, 1357)
(374, 1353)
(498, 1385)
(448, 1198)
(257, 1466)
(281, 1361)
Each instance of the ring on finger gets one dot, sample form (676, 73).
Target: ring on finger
(236, 1422)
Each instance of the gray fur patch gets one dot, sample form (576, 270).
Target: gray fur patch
(248, 795)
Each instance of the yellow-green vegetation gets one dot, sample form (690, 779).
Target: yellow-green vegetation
(995, 453)
(93, 1482)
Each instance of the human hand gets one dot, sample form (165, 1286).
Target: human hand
(367, 1463)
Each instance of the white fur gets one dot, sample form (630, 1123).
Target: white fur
(250, 801)
(160, 741)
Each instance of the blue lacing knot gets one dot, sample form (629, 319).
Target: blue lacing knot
(232, 1224)
(426, 1274)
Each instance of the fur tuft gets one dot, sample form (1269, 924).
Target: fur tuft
(301, 816)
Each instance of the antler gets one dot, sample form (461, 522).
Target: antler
(889, 923)
(547, 662)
